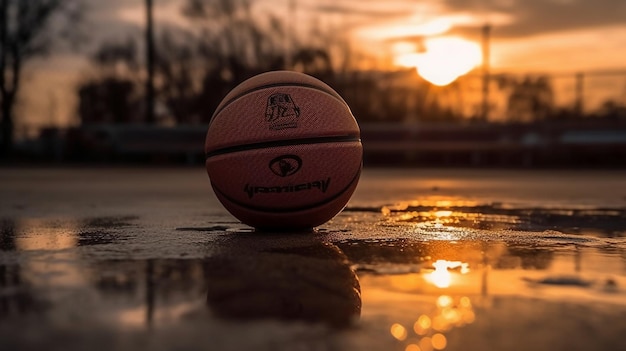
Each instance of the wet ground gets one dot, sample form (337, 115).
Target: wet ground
(123, 259)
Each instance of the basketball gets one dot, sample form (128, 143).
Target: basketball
(283, 151)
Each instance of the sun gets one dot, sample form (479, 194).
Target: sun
(444, 59)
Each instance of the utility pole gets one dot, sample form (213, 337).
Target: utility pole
(5, 121)
(579, 105)
(150, 118)
(290, 34)
(486, 31)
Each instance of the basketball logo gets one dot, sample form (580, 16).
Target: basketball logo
(286, 165)
(281, 112)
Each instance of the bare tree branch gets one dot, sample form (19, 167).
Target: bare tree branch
(27, 29)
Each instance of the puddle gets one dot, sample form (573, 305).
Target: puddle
(606, 222)
(449, 273)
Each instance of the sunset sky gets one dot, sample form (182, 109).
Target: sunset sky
(536, 36)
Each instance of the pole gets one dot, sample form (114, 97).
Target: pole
(150, 118)
(5, 123)
(485, 74)
(579, 105)
(290, 34)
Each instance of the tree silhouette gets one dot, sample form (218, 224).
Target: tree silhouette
(112, 95)
(230, 45)
(530, 99)
(175, 70)
(28, 29)
(226, 42)
(107, 101)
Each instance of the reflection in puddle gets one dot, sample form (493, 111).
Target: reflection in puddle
(42, 267)
(437, 273)
(458, 267)
(36, 234)
(64, 274)
(608, 222)
(257, 277)
(441, 277)
(57, 267)
(54, 235)
(428, 331)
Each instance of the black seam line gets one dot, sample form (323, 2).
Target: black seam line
(278, 143)
(275, 85)
(296, 209)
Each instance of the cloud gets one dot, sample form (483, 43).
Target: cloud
(103, 22)
(531, 17)
(346, 10)
(373, 9)
(118, 20)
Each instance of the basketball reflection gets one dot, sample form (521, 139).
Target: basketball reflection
(282, 277)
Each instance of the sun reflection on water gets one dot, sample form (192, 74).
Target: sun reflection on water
(434, 219)
(56, 241)
(451, 219)
(428, 332)
(441, 277)
(398, 331)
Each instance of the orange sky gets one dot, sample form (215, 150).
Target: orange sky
(540, 36)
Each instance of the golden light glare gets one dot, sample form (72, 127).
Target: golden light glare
(398, 331)
(441, 276)
(465, 302)
(403, 47)
(439, 341)
(426, 344)
(444, 301)
(464, 268)
(422, 325)
(444, 60)
(430, 329)
(452, 315)
(469, 317)
(441, 324)
(440, 214)
(403, 30)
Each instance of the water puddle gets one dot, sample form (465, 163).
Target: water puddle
(439, 276)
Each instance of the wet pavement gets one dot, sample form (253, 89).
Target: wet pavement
(121, 259)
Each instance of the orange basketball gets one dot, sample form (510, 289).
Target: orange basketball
(283, 151)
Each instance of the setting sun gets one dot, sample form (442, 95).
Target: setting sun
(443, 60)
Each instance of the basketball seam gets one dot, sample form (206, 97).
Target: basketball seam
(274, 85)
(291, 210)
(279, 143)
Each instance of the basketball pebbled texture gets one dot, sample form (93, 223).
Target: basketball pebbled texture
(283, 151)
